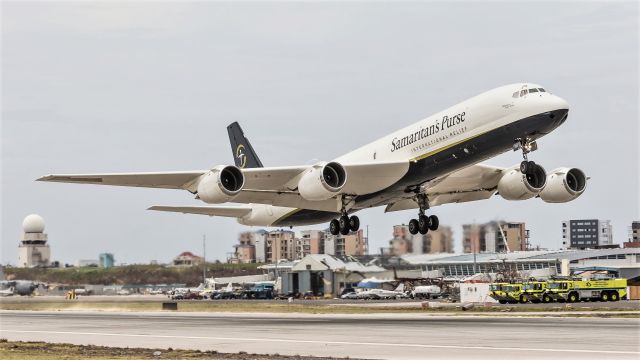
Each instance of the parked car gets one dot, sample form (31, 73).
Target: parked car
(208, 293)
(193, 296)
(260, 291)
(349, 295)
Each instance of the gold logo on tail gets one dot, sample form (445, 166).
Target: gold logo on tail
(240, 155)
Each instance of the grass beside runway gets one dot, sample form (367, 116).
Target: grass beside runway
(18, 350)
(283, 307)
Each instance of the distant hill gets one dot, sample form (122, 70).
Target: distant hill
(129, 274)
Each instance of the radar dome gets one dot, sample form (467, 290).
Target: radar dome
(33, 223)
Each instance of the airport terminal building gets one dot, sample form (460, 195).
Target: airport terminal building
(626, 261)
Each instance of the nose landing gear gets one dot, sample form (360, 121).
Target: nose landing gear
(526, 145)
(424, 223)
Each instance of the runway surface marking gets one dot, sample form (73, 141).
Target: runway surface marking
(324, 342)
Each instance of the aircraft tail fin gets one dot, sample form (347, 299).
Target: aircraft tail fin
(243, 153)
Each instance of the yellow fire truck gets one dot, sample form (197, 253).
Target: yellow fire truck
(496, 292)
(587, 289)
(535, 291)
(506, 292)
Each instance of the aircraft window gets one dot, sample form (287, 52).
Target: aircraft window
(515, 94)
(541, 89)
(533, 90)
(523, 92)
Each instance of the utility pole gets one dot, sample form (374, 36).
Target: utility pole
(204, 260)
(475, 235)
(367, 242)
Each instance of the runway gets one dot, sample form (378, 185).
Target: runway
(379, 336)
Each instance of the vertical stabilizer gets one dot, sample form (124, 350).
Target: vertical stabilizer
(243, 153)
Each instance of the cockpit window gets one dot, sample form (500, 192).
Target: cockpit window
(523, 92)
(533, 90)
(515, 94)
(541, 89)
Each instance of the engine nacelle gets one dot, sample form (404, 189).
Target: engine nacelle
(322, 182)
(517, 186)
(563, 185)
(220, 185)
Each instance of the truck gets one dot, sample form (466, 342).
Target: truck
(536, 292)
(518, 292)
(573, 290)
(426, 292)
(260, 291)
(506, 292)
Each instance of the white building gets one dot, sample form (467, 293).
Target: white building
(260, 241)
(33, 249)
(87, 263)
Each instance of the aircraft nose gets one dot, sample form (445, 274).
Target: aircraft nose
(558, 103)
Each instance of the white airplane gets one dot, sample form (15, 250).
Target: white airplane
(379, 293)
(433, 162)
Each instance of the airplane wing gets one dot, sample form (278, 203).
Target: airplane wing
(226, 211)
(476, 182)
(185, 180)
(267, 185)
(363, 178)
(277, 186)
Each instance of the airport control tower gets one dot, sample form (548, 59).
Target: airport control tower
(33, 250)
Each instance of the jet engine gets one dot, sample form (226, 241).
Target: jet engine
(563, 185)
(322, 182)
(515, 185)
(220, 185)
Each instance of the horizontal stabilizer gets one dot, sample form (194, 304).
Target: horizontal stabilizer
(226, 211)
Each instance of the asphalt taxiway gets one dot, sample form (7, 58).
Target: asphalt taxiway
(381, 336)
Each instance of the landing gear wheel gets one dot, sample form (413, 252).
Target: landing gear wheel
(423, 224)
(354, 223)
(433, 223)
(344, 225)
(413, 226)
(334, 227)
(527, 167)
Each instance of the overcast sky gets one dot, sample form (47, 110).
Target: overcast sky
(119, 87)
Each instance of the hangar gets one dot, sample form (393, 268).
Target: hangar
(321, 274)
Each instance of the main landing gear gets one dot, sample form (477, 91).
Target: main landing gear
(526, 145)
(423, 223)
(344, 224)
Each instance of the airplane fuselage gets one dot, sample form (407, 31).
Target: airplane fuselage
(465, 134)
